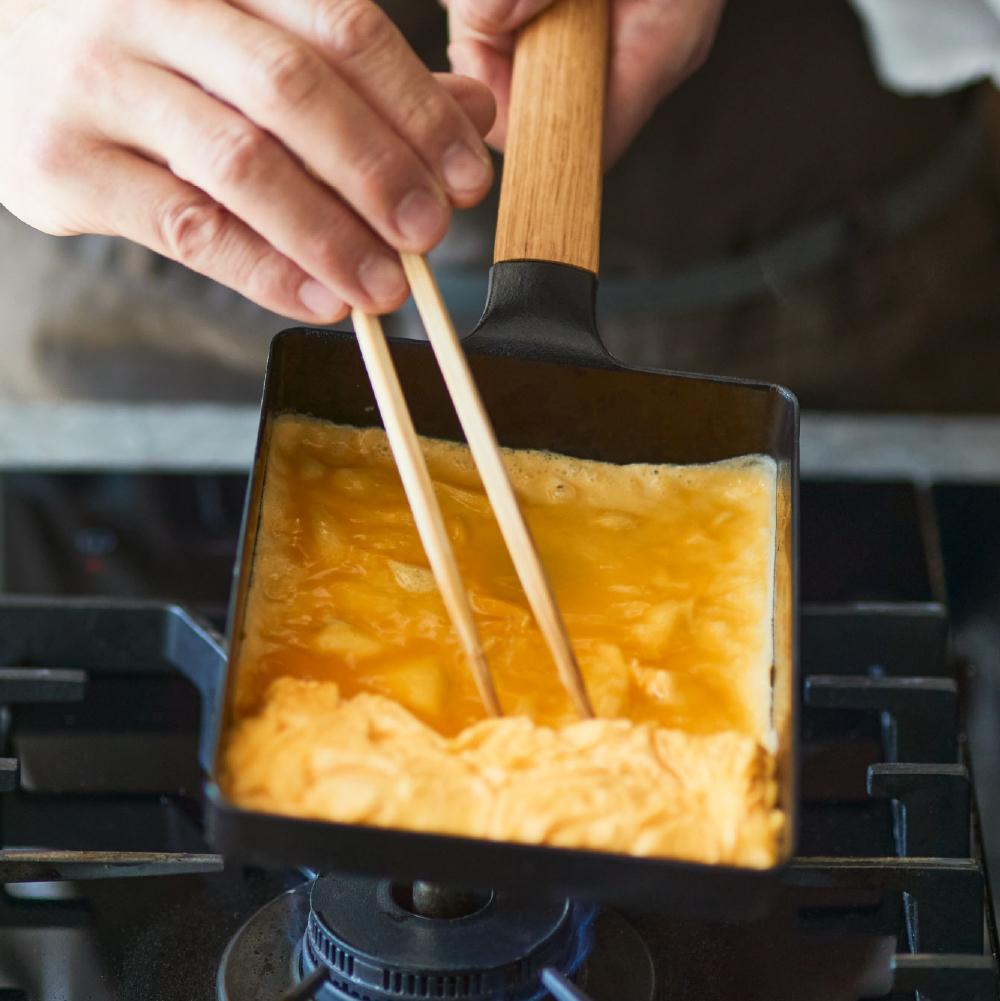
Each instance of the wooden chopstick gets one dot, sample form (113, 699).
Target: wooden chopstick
(423, 501)
(486, 455)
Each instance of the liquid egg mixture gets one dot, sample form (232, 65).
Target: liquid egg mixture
(354, 701)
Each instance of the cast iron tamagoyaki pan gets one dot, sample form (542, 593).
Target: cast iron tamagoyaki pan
(547, 383)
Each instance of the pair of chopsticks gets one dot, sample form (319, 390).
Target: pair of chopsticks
(486, 455)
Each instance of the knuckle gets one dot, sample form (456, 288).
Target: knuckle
(375, 170)
(49, 149)
(236, 154)
(87, 64)
(427, 115)
(189, 227)
(324, 252)
(287, 75)
(267, 277)
(348, 28)
(90, 59)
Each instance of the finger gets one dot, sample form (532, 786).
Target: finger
(147, 204)
(216, 149)
(287, 88)
(368, 51)
(487, 58)
(497, 16)
(654, 48)
(481, 61)
(476, 100)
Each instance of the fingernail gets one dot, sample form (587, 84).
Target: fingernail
(463, 170)
(318, 299)
(421, 217)
(382, 277)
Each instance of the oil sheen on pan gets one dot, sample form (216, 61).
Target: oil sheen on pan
(354, 703)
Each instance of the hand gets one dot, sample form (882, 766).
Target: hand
(285, 148)
(655, 46)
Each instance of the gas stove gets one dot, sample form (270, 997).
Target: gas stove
(111, 888)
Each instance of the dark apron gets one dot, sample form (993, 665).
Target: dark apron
(782, 216)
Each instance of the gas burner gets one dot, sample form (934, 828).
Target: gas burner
(340, 938)
(385, 941)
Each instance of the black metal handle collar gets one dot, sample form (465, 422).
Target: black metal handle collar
(541, 311)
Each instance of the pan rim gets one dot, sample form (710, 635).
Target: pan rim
(789, 802)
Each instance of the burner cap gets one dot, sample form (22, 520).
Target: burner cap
(263, 962)
(376, 948)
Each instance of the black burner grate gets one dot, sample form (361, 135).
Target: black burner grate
(910, 796)
(889, 848)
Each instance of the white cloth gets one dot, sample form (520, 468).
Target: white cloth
(933, 46)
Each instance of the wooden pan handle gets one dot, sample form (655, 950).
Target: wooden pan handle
(550, 197)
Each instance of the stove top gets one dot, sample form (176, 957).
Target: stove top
(111, 891)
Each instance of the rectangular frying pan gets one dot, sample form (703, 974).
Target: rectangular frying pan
(547, 383)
